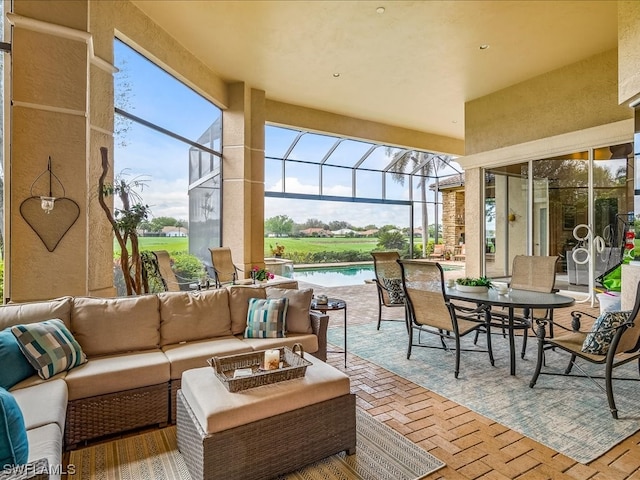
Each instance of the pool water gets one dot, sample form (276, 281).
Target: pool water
(337, 276)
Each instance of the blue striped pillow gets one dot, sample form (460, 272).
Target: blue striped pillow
(49, 347)
(265, 318)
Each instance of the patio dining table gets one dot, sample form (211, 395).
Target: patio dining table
(514, 299)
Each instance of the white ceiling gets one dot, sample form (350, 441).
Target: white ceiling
(415, 65)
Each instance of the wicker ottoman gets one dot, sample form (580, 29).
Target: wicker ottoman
(266, 431)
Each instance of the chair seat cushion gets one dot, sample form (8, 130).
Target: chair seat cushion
(394, 288)
(117, 373)
(30, 401)
(604, 329)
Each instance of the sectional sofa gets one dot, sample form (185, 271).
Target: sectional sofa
(136, 350)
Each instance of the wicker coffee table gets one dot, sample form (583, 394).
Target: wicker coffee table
(263, 432)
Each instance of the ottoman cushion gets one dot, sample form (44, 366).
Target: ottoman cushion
(216, 409)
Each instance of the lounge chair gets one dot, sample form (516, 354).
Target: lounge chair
(439, 250)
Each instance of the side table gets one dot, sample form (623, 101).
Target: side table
(333, 305)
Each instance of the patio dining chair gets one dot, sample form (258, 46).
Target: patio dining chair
(430, 311)
(612, 341)
(534, 273)
(388, 282)
(170, 280)
(224, 270)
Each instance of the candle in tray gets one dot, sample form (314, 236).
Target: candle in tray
(271, 359)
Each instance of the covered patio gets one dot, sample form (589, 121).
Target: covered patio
(472, 445)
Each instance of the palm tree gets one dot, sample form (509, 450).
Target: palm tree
(426, 165)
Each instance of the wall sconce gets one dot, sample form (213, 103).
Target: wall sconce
(513, 216)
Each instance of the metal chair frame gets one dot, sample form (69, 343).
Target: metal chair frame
(426, 307)
(624, 348)
(385, 266)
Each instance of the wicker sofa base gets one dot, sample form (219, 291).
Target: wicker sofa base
(95, 417)
(267, 448)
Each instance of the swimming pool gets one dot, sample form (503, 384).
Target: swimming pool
(340, 276)
(335, 276)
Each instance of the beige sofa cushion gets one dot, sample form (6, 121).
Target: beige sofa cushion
(116, 373)
(216, 409)
(52, 395)
(308, 341)
(195, 354)
(297, 319)
(111, 325)
(32, 312)
(239, 305)
(186, 316)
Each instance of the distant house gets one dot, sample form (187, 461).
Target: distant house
(368, 233)
(343, 232)
(175, 232)
(316, 232)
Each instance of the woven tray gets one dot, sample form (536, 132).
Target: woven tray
(293, 366)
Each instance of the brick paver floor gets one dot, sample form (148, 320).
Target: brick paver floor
(472, 446)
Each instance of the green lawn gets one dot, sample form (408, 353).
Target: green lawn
(170, 244)
(302, 245)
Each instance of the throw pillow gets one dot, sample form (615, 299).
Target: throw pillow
(297, 319)
(602, 333)
(15, 366)
(14, 446)
(394, 289)
(266, 318)
(49, 347)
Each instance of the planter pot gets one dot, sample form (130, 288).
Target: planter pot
(471, 288)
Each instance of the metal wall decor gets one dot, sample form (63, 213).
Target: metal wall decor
(48, 216)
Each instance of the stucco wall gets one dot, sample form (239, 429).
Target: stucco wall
(628, 50)
(575, 97)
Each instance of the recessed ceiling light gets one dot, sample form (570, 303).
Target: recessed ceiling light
(380, 10)
(454, 121)
(484, 46)
(336, 75)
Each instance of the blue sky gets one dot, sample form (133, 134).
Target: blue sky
(162, 161)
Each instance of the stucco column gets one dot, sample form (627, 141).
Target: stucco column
(243, 176)
(474, 218)
(49, 118)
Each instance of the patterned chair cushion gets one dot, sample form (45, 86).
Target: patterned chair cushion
(394, 288)
(266, 318)
(49, 346)
(603, 331)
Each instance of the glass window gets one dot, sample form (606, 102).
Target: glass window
(170, 138)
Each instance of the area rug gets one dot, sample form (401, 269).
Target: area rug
(568, 414)
(381, 454)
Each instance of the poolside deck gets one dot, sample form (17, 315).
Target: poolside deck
(473, 446)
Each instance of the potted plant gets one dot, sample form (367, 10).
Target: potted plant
(469, 284)
(125, 222)
(277, 251)
(261, 274)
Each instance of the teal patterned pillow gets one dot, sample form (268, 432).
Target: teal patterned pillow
(394, 289)
(14, 444)
(603, 331)
(49, 347)
(265, 318)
